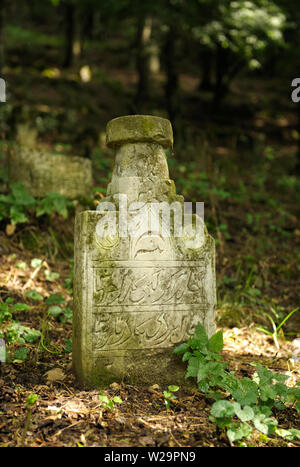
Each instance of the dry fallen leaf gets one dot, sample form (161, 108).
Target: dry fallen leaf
(54, 375)
(10, 229)
(154, 387)
(114, 386)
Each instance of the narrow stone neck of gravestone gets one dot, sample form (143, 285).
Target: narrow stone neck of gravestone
(141, 169)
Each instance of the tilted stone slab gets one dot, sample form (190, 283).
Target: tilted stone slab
(42, 172)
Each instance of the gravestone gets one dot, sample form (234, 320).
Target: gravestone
(42, 172)
(139, 290)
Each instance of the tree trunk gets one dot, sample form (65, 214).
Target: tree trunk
(221, 87)
(2, 7)
(72, 34)
(172, 85)
(142, 61)
(206, 59)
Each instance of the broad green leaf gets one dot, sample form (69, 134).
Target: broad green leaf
(36, 262)
(244, 414)
(34, 295)
(290, 434)
(222, 409)
(236, 432)
(51, 276)
(266, 425)
(215, 343)
(173, 388)
(117, 399)
(55, 310)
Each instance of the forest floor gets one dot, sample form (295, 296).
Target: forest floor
(66, 415)
(239, 161)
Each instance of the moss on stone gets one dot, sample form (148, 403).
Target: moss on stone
(139, 128)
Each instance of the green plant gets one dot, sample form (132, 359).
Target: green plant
(238, 401)
(15, 205)
(54, 202)
(13, 332)
(19, 205)
(169, 395)
(30, 403)
(34, 295)
(276, 328)
(109, 403)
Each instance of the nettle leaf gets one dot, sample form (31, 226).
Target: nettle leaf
(244, 414)
(203, 386)
(265, 375)
(267, 392)
(181, 348)
(246, 393)
(202, 373)
(21, 195)
(17, 215)
(193, 367)
(280, 377)
(200, 339)
(215, 343)
(279, 405)
(281, 389)
(186, 356)
(236, 432)
(222, 409)
(21, 354)
(266, 425)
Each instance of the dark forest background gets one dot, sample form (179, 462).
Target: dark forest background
(222, 72)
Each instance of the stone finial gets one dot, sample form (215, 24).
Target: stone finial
(139, 129)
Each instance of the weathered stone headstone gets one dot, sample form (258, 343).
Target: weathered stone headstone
(42, 172)
(139, 290)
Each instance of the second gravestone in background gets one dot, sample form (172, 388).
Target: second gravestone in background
(138, 291)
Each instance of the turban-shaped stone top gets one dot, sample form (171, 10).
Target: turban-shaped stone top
(139, 129)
